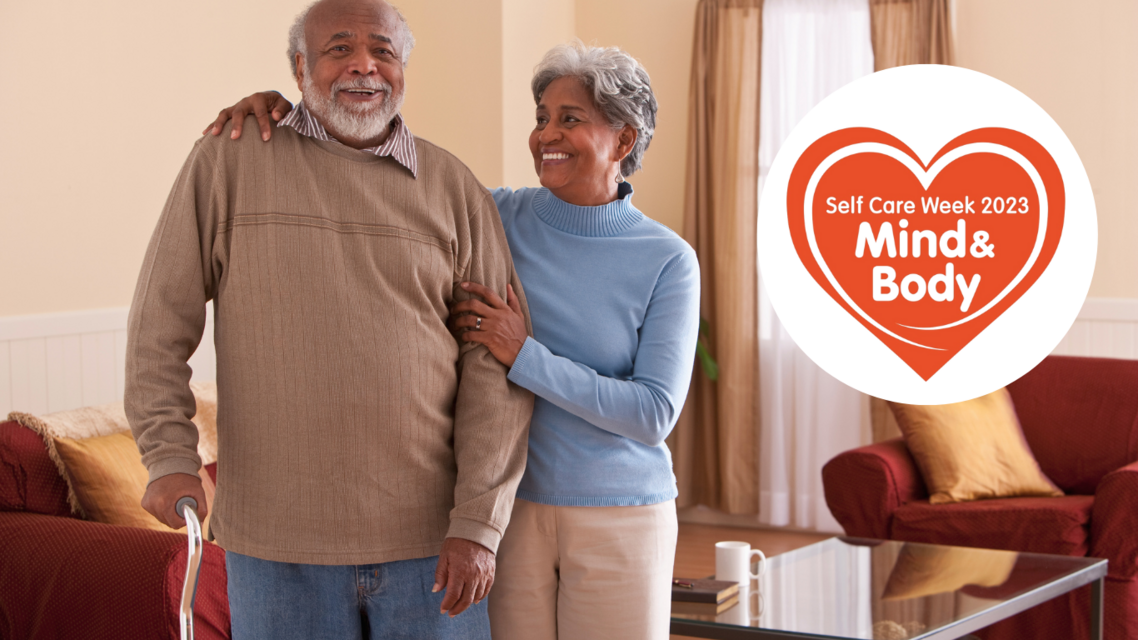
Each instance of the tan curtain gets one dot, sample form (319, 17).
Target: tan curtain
(715, 442)
(910, 32)
(906, 32)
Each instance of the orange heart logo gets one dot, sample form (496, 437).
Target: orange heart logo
(925, 256)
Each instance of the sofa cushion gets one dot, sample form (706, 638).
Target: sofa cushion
(1039, 525)
(971, 450)
(1080, 417)
(29, 480)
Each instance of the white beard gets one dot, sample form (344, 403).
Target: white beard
(349, 120)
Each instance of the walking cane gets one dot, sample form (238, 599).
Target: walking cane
(187, 508)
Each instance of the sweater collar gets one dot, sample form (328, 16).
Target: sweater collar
(609, 219)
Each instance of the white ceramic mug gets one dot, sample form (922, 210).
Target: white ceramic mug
(733, 562)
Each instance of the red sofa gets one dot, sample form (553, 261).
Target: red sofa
(62, 577)
(1080, 417)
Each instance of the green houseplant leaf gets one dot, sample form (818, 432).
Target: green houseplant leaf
(706, 361)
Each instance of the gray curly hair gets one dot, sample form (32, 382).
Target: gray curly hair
(619, 84)
(297, 44)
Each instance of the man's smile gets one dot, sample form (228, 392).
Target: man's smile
(356, 94)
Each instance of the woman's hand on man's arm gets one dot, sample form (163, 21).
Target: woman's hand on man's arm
(264, 105)
(498, 325)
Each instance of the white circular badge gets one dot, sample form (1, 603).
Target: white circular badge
(927, 234)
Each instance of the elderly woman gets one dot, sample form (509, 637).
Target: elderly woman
(614, 302)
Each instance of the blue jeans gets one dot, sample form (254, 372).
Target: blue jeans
(386, 601)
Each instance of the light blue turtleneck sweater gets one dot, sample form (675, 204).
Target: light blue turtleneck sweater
(614, 301)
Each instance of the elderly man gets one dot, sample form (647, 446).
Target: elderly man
(356, 440)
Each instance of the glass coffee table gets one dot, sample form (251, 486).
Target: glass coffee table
(866, 589)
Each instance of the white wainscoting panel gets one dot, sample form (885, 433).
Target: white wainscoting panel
(5, 379)
(56, 362)
(1105, 328)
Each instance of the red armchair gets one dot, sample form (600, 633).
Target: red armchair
(1080, 417)
(62, 577)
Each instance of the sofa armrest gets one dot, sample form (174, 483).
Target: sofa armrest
(864, 486)
(1114, 519)
(69, 578)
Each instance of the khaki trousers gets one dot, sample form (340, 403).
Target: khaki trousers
(584, 573)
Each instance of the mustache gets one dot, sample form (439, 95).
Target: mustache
(371, 84)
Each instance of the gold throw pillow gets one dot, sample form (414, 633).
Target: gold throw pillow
(972, 450)
(108, 478)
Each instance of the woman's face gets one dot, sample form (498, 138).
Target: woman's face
(576, 153)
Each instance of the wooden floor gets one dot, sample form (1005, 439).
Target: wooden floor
(695, 550)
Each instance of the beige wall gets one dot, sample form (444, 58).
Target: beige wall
(529, 30)
(108, 98)
(1079, 61)
(454, 80)
(111, 96)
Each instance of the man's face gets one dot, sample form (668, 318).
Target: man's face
(352, 78)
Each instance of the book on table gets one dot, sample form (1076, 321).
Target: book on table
(703, 590)
(705, 608)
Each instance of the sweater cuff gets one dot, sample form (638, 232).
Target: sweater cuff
(519, 373)
(475, 531)
(173, 464)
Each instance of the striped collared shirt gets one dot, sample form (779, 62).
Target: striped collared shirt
(400, 145)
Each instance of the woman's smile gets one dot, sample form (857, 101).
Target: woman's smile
(549, 158)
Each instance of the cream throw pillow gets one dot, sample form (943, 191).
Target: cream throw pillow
(108, 479)
(972, 450)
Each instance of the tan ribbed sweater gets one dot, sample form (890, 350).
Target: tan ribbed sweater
(351, 427)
